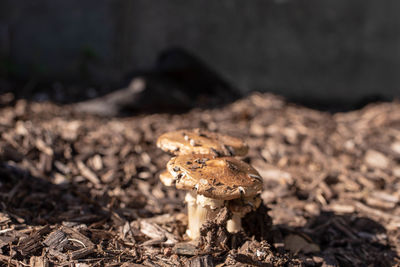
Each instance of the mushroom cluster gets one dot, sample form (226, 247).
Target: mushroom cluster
(205, 165)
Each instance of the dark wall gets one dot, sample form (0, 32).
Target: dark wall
(337, 49)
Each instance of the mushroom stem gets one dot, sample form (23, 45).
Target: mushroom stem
(190, 199)
(199, 212)
(202, 214)
(234, 225)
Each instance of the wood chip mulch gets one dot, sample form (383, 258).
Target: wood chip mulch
(79, 190)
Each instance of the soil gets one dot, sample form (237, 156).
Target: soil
(81, 190)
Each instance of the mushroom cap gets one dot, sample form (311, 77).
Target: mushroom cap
(166, 178)
(198, 141)
(223, 178)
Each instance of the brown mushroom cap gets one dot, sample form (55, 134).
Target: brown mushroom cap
(222, 178)
(198, 141)
(166, 178)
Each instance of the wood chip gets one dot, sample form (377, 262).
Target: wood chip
(42, 146)
(32, 244)
(341, 208)
(38, 262)
(376, 159)
(87, 173)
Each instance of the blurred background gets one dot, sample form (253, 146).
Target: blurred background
(327, 54)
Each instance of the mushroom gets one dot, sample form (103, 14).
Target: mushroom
(198, 141)
(213, 182)
(166, 178)
(239, 208)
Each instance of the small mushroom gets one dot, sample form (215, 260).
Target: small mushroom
(214, 182)
(198, 141)
(166, 178)
(239, 208)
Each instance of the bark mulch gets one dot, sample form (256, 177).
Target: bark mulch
(80, 190)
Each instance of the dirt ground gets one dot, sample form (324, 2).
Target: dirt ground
(80, 190)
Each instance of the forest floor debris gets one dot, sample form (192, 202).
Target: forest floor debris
(82, 189)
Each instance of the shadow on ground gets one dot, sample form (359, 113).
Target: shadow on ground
(345, 240)
(178, 82)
